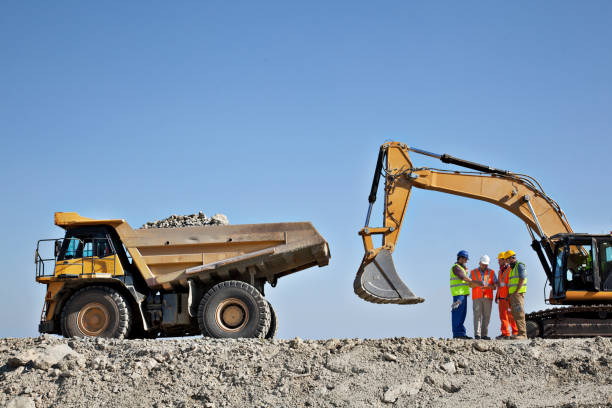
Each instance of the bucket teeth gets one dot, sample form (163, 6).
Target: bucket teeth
(378, 282)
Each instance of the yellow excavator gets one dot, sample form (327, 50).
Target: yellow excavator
(578, 266)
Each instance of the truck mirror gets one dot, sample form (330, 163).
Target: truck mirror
(58, 246)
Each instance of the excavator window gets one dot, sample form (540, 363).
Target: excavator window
(579, 267)
(605, 269)
(559, 279)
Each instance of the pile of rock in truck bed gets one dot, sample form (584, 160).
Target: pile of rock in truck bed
(203, 372)
(192, 220)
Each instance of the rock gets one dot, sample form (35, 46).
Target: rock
(389, 357)
(42, 357)
(450, 386)
(480, 346)
(191, 220)
(21, 402)
(219, 219)
(463, 363)
(449, 367)
(394, 392)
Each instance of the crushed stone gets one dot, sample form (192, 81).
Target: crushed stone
(205, 372)
(191, 220)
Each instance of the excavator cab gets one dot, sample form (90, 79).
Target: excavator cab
(582, 267)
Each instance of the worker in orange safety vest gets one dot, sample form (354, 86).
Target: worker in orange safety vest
(482, 297)
(508, 325)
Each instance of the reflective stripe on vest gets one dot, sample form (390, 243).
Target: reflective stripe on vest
(458, 286)
(504, 279)
(478, 293)
(514, 280)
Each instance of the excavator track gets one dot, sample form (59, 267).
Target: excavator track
(570, 321)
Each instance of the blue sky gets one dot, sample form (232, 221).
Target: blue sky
(274, 111)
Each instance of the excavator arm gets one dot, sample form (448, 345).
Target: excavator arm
(377, 280)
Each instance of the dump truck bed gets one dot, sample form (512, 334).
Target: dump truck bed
(213, 253)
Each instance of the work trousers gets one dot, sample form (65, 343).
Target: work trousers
(517, 305)
(482, 314)
(508, 325)
(458, 313)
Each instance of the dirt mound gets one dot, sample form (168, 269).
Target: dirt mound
(192, 220)
(50, 371)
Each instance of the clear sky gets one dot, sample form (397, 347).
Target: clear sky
(274, 111)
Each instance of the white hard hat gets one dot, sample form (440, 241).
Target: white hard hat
(485, 259)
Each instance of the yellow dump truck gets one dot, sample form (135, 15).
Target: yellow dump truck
(106, 279)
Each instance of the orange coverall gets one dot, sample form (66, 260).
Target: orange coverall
(505, 314)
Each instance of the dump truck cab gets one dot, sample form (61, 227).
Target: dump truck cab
(106, 279)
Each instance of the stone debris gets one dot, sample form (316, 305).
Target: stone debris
(21, 402)
(204, 372)
(192, 220)
(394, 392)
(389, 357)
(41, 357)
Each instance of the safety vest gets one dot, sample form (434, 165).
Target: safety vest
(487, 279)
(503, 282)
(514, 280)
(457, 286)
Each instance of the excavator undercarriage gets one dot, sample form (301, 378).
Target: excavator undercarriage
(578, 266)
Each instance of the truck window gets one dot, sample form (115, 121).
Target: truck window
(73, 250)
(87, 249)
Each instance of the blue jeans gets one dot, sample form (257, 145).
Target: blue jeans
(458, 314)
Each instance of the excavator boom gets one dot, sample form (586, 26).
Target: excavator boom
(377, 280)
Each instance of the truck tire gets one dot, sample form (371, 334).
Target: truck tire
(233, 309)
(533, 329)
(96, 311)
(273, 323)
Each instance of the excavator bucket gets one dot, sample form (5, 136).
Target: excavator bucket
(378, 282)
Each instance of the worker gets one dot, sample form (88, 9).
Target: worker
(482, 297)
(508, 325)
(460, 290)
(516, 293)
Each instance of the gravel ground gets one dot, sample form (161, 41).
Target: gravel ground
(191, 220)
(203, 372)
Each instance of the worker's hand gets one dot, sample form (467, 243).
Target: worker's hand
(496, 301)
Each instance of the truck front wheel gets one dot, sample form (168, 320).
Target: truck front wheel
(96, 311)
(233, 309)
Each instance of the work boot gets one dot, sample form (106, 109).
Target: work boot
(463, 337)
(517, 337)
(485, 338)
(501, 337)
(477, 337)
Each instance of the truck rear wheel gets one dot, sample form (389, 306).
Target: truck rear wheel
(273, 323)
(96, 311)
(233, 309)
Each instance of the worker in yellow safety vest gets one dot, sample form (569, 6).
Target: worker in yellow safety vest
(460, 290)
(517, 287)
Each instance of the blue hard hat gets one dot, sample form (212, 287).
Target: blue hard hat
(463, 253)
